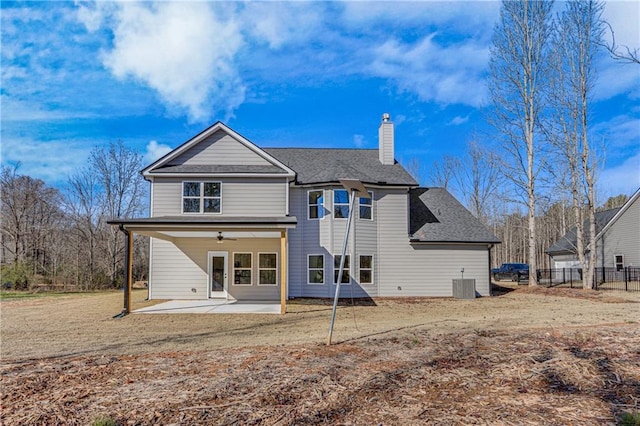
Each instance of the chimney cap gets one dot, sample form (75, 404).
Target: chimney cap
(386, 117)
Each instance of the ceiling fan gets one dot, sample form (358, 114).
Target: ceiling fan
(221, 238)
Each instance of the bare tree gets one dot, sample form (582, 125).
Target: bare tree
(479, 180)
(442, 172)
(414, 167)
(578, 38)
(28, 213)
(519, 74)
(85, 211)
(621, 53)
(117, 170)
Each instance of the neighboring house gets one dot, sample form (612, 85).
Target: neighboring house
(617, 239)
(230, 219)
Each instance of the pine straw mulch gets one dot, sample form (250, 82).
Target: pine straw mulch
(551, 376)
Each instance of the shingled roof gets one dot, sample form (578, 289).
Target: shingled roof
(567, 243)
(329, 165)
(436, 216)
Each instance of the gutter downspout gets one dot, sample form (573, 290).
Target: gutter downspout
(127, 274)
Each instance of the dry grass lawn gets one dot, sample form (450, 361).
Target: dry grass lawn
(525, 357)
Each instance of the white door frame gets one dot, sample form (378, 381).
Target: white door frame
(218, 294)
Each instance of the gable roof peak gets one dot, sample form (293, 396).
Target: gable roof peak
(202, 136)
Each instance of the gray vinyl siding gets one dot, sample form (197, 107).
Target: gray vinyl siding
(325, 236)
(217, 149)
(240, 196)
(309, 237)
(623, 237)
(422, 269)
(180, 268)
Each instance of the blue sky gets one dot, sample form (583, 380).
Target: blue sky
(76, 75)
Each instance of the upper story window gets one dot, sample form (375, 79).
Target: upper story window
(201, 197)
(340, 203)
(315, 202)
(366, 207)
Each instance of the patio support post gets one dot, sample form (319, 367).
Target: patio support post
(283, 272)
(128, 277)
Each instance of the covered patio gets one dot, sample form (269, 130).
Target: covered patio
(212, 306)
(216, 233)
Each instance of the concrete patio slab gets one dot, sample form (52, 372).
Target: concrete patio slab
(212, 306)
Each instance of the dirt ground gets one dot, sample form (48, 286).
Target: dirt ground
(554, 356)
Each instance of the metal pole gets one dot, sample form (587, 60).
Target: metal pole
(341, 270)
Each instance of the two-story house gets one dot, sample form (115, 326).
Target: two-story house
(229, 219)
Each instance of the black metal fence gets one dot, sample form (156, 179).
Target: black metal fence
(625, 279)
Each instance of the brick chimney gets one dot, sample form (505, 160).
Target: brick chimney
(385, 140)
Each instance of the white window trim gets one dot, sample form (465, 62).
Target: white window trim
(316, 269)
(233, 261)
(334, 270)
(373, 280)
(268, 269)
(201, 197)
(319, 205)
(615, 264)
(370, 206)
(333, 204)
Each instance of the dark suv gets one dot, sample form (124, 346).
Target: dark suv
(511, 271)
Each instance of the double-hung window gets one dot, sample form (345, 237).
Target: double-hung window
(316, 204)
(366, 269)
(366, 207)
(619, 262)
(340, 203)
(315, 265)
(201, 197)
(267, 269)
(346, 277)
(242, 265)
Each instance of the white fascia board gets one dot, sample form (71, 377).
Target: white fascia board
(219, 175)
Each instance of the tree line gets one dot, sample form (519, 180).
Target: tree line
(543, 71)
(59, 237)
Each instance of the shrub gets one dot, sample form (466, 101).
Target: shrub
(16, 276)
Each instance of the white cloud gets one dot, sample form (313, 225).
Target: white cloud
(622, 179)
(457, 120)
(462, 16)
(281, 23)
(184, 51)
(52, 161)
(617, 77)
(619, 132)
(154, 151)
(452, 75)
(359, 141)
(624, 18)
